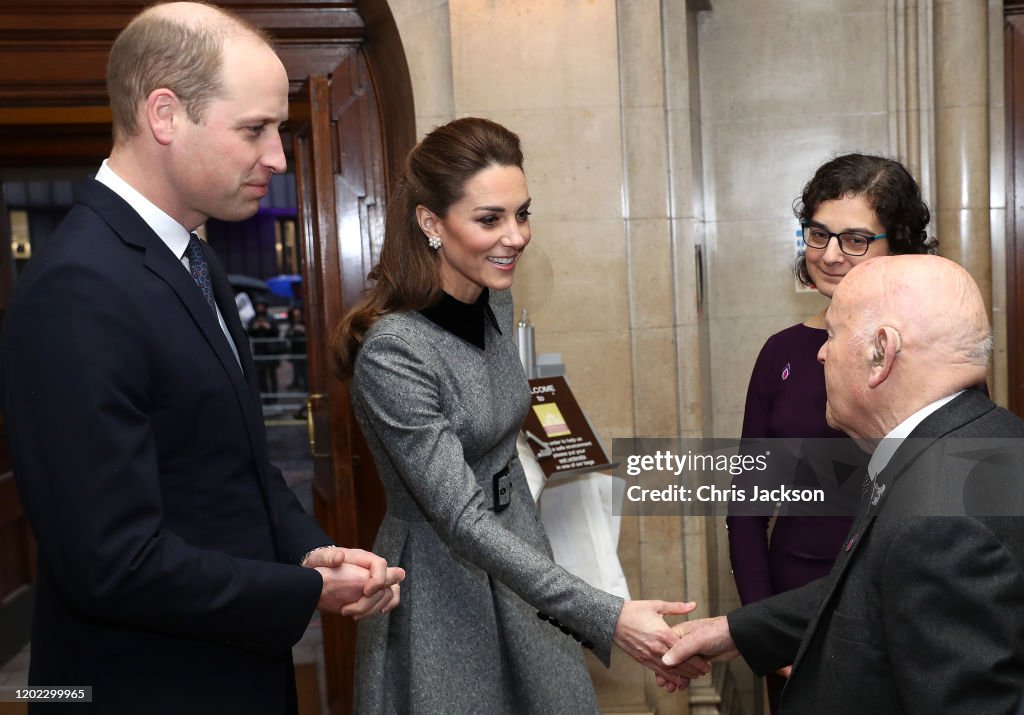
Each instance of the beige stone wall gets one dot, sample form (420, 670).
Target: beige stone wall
(998, 379)
(784, 86)
(549, 71)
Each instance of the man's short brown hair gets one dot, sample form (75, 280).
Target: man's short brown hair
(154, 51)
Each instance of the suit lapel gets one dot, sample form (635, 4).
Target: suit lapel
(966, 407)
(171, 270)
(226, 300)
(254, 416)
(854, 539)
(901, 459)
(127, 223)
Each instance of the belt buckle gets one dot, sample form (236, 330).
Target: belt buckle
(502, 490)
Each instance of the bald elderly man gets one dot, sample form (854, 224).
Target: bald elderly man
(176, 568)
(924, 609)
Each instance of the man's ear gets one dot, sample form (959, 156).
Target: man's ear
(886, 343)
(162, 114)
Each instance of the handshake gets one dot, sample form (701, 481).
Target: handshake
(678, 654)
(357, 583)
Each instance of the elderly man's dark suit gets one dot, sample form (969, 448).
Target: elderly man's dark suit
(168, 544)
(921, 614)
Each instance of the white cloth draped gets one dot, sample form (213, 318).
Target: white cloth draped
(577, 515)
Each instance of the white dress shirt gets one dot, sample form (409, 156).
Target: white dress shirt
(891, 442)
(170, 231)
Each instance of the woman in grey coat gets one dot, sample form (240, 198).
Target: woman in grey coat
(488, 622)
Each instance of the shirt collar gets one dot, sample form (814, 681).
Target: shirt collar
(170, 231)
(464, 320)
(891, 442)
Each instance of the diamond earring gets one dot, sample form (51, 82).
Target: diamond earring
(434, 242)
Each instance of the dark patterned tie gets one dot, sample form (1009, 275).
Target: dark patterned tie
(200, 269)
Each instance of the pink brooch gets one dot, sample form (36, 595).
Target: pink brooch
(785, 372)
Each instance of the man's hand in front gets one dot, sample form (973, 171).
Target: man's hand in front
(356, 582)
(708, 639)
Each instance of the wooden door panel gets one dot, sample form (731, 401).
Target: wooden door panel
(315, 208)
(338, 163)
(17, 547)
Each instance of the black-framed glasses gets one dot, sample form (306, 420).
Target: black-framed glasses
(852, 243)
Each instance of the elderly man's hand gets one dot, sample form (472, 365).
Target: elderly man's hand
(704, 640)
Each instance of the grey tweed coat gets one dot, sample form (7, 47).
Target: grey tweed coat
(441, 417)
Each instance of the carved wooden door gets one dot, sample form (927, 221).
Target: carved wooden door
(338, 159)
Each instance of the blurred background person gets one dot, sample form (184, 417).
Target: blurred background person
(856, 206)
(263, 330)
(440, 393)
(296, 335)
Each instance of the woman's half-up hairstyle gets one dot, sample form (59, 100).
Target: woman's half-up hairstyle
(888, 188)
(435, 175)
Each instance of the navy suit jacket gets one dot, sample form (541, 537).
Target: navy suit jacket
(168, 544)
(924, 609)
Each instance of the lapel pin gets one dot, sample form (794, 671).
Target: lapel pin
(876, 493)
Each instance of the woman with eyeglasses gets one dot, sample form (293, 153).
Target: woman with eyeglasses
(855, 207)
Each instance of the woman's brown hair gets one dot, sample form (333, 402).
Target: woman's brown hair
(435, 175)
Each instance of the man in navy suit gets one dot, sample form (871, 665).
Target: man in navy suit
(924, 609)
(176, 568)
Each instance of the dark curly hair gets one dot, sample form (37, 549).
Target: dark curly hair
(888, 188)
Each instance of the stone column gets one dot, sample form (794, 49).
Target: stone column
(962, 142)
(911, 90)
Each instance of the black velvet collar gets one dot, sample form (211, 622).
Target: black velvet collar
(464, 320)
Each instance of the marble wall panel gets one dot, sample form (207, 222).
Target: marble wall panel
(588, 277)
(755, 167)
(796, 58)
(426, 39)
(573, 160)
(651, 274)
(533, 54)
(654, 382)
(598, 364)
(646, 149)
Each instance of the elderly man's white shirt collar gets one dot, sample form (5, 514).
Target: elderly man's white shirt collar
(891, 442)
(170, 231)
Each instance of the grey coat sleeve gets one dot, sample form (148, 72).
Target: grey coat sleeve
(403, 405)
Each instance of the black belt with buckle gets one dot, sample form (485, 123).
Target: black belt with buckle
(502, 490)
